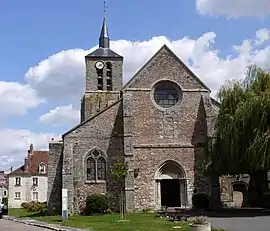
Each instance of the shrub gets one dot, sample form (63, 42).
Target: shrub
(96, 203)
(34, 206)
(199, 220)
(200, 201)
(24, 205)
(83, 209)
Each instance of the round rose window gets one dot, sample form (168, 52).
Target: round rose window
(167, 94)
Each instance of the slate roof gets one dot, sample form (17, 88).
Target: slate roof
(104, 52)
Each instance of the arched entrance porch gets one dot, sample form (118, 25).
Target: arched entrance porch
(170, 185)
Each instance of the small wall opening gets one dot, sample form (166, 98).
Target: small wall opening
(240, 195)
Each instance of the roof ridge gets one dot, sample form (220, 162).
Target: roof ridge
(97, 114)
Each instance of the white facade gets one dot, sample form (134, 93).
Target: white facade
(3, 186)
(26, 189)
(3, 193)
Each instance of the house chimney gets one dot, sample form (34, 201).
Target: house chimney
(30, 151)
(25, 164)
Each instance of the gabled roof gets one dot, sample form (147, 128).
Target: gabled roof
(176, 57)
(84, 122)
(35, 158)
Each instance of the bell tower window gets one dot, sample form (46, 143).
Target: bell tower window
(100, 79)
(109, 76)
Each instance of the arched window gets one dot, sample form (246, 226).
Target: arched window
(95, 166)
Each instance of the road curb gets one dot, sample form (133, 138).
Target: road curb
(38, 224)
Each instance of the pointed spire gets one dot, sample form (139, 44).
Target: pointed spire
(104, 40)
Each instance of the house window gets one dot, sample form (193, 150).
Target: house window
(17, 181)
(167, 94)
(42, 168)
(17, 195)
(35, 196)
(35, 181)
(96, 166)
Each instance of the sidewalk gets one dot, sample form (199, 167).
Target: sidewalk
(41, 224)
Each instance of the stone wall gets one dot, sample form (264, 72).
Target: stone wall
(91, 73)
(226, 187)
(96, 100)
(54, 195)
(154, 135)
(105, 133)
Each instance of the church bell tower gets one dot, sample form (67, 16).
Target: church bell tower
(104, 75)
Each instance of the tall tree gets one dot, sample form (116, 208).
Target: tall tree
(243, 126)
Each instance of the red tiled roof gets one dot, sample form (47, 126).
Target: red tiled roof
(33, 161)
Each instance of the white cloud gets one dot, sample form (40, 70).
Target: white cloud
(59, 75)
(15, 143)
(64, 115)
(234, 8)
(16, 98)
(262, 35)
(62, 76)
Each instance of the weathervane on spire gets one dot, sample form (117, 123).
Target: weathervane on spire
(105, 8)
(104, 40)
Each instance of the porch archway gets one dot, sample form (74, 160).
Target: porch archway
(170, 185)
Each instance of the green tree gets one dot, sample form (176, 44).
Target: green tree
(242, 139)
(242, 128)
(119, 173)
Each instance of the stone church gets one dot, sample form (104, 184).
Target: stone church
(159, 122)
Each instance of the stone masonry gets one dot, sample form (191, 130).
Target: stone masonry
(157, 143)
(153, 135)
(146, 134)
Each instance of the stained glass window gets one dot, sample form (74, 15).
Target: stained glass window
(91, 169)
(166, 94)
(96, 166)
(101, 168)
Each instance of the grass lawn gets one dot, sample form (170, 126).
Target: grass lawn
(140, 222)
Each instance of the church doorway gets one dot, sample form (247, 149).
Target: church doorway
(170, 193)
(170, 186)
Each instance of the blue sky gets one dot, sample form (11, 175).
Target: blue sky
(32, 31)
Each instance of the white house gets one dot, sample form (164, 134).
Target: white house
(29, 182)
(3, 185)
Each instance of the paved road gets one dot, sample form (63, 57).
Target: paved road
(259, 223)
(13, 226)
